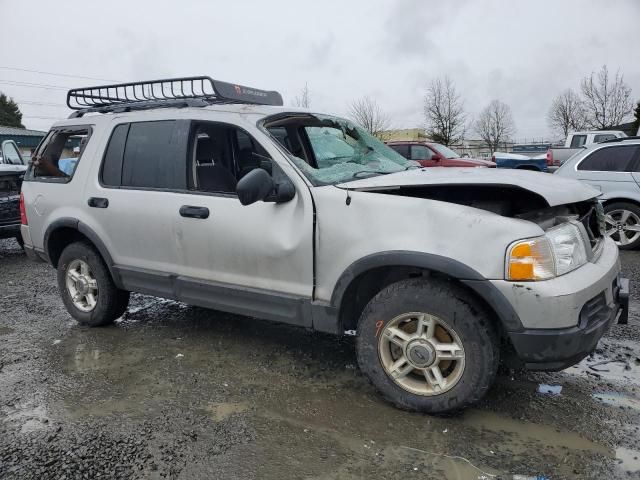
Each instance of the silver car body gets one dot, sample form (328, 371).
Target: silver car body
(611, 184)
(276, 251)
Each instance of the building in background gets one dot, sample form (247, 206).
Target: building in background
(26, 140)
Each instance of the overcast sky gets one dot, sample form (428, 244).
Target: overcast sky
(522, 53)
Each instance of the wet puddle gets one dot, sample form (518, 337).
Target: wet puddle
(520, 435)
(618, 400)
(221, 411)
(623, 367)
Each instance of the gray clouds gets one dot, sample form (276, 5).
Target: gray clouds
(522, 53)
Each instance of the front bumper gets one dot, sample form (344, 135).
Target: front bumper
(557, 349)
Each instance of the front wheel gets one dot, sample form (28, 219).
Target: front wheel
(427, 345)
(622, 221)
(87, 288)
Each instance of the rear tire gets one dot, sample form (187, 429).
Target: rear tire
(620, 219)
(20, 241)
(86, 287)
(425, 368)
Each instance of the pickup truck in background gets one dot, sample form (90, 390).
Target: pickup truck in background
(520, 162)
(575, 142)
(12, 169)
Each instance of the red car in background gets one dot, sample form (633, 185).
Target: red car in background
(430, 154)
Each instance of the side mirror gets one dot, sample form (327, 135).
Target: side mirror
(254, 186)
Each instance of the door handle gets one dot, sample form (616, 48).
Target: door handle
(96, 202)
(194, 212)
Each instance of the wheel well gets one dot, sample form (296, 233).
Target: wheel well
(366, 285)
(528, 167)
(59, 239)
(621, 200)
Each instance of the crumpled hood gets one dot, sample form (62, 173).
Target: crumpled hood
(555, 190)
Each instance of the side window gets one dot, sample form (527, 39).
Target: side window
(155, 156)
(578, 141)
(420, 152)
(603, 138)
(401, 149)
(58, 155)
(610, 159)
(112, 163)
(221, 155)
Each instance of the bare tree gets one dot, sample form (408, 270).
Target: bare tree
(367, 113)
(303, 100)
(567, 113)
(444, 112)
(607, 101)
(495, 124)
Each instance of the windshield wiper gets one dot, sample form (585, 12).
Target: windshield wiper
(357, 174)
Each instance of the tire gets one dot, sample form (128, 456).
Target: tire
(109, 302)
(457, 314)
(620, 231)
(20, 241)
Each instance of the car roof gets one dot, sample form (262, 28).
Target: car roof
(258, 111)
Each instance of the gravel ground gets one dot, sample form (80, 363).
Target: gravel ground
(173, 391)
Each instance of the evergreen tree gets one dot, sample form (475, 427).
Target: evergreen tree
(10, 114)
(636, 121)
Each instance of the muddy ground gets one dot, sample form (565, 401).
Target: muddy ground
(173, 391)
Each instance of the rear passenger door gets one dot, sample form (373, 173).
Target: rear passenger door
(135, 202)
(167, 205)
(611, 168)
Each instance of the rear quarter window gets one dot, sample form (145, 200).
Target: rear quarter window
(59, 154)
(612, 159)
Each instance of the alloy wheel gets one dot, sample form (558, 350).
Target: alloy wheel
(81, 285)
(623, 226)
(421, 353)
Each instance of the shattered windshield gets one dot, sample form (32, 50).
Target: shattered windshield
(331, 150)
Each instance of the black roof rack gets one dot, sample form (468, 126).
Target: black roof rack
(168, 92)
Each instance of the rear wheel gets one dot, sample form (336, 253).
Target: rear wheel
(20, 241)
(87, 288)
(427, 346)
(622, 221)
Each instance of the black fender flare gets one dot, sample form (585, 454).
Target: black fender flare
(435, 263)
(75, 224)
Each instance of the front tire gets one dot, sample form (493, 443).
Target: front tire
(86, 286)
(427, 345)
(622, 220)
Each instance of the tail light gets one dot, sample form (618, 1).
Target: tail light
(23, 212)
(549, 158)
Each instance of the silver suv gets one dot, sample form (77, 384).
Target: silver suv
(613, 168)
(215, 195)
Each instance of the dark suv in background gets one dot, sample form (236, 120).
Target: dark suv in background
(430, 154)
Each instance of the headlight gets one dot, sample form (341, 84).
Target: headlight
(559, 251)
